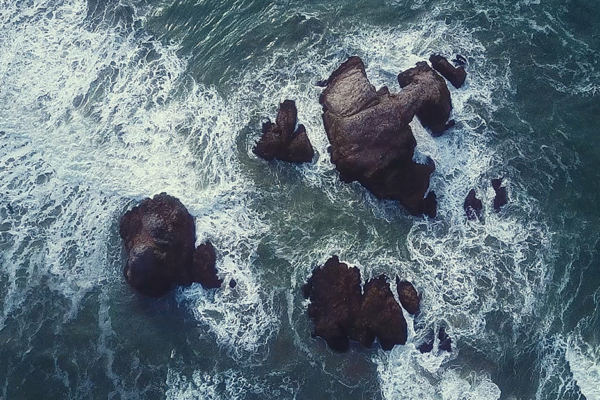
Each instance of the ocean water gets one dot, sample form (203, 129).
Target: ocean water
(106, 102)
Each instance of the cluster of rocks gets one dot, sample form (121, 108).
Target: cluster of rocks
(473, 206)
(159, 237)
(371, 140)
(282, 140)
(342, 312)
(371, 143)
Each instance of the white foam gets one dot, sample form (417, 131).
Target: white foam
(110, 114)
(229, 384)
(584, 362)
(405, 373)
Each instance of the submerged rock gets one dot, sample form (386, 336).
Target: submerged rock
(445, 341)
(455, 75)
(341, 313)
(408, 296)
(501, 198)
(159, 236)
(282, 141)
(371, 141)
(473, 205)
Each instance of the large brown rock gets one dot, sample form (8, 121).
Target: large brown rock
(408, 296)
(371, 141)
(336, 300)
(341, 313)
(159, 237)
(282, 141)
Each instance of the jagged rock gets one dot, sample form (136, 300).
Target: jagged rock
(340, 312)
(282, 141)
(381, 315)
(455, 75)
(159, 236)
(371, 141)
(204, 269)
(501, 198)
(336, 300)
(429, 96)
(409, 298)
(473, 205)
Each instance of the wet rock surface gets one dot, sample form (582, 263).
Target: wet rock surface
(336, 301)
(381, 315)
(204, 270)
(408, 296)
(282, 140)
(341, 313)
(371, 141)
(159, 236)
(455, 75)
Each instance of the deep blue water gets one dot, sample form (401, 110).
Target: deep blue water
(105, 102)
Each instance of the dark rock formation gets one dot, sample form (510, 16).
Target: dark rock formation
(501, 196)
(409, 298)
(455, 75)
(204, 270)
(381, 316)
(232, 283)
(159, 236)
(282, 141)
(445, 341)
(336, 300)
(429, 96)
(371, 141)
(341, 313)
(473, 205)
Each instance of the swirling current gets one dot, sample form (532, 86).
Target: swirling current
(106, 102)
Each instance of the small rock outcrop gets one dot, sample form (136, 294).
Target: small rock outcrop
(204, 270)
(473, 205)
(501, 198)
(371, 141)
(282, 140)
(341, 313)
(159, 236)
(455, 75)
(444, 341)
(408, 296)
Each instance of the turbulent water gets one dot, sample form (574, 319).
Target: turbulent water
(106, 102)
